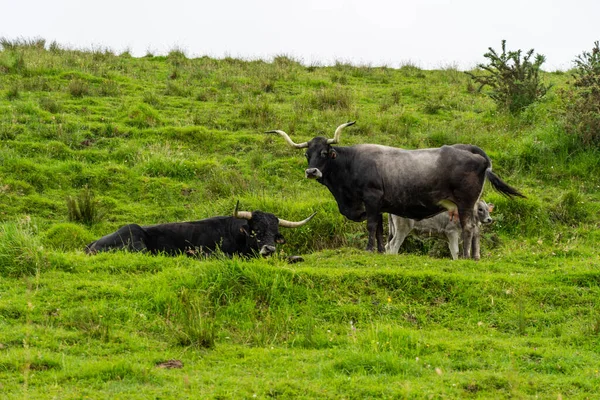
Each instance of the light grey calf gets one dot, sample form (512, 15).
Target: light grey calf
(444, 222)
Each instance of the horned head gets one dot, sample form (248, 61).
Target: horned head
(336, 136)
(247, 215)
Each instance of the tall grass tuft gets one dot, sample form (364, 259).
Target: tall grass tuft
(20, 250)
(190, 321)
(84, 208)
(78, 88)
(570, 209)
(50, 104)
(258, 114)
(13, 92)
(12, 62)
(22, 43)
(336, 98)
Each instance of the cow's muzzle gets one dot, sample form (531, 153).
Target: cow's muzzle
(267, 250)
(313, 173)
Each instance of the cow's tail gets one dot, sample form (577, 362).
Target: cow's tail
(494, 179)
(501, 186)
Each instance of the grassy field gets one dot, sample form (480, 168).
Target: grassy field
(168, 138)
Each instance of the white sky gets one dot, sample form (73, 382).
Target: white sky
(426, 33)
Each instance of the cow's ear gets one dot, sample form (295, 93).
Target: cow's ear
(490, 207)
(279, 239)
(244, 231)
(332, 154)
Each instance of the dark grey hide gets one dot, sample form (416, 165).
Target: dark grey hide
(368, 179)
(443, 223)
(254, 233)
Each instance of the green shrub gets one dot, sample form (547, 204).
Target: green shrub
(582, 100)
(521, 217)
(49, 104)
(84, 208)
(20, 250)
(37, 83)
(173, 89)
(78, 88)
(109, 88)
(54, 47)
(257, 114)
(336, 98)
(177, 57)
(10, 131)
(12, 62)
(570, 209)
(13, 92)
(515, 83)
(151, 98)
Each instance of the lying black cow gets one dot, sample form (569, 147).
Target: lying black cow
(368, 179)
(245, 234)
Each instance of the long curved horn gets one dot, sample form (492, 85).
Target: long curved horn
(338, 131)
(290, 224)
(241, 214)
(289, 140)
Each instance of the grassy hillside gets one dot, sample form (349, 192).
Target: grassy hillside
(168, 138)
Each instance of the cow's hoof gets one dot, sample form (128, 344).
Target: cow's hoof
(294, 259)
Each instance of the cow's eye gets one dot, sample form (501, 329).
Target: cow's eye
(324, 154)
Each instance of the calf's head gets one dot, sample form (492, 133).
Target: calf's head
(263, 229)
(483, 212)
(319, 151)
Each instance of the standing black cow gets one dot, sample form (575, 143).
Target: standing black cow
(368, 179)
(245, 233)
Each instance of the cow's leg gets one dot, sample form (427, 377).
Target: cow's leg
(379, 233)
(371, 229)
(375, 229)
(372, 204)
(467, 221)
(402, 227)
(453, 238)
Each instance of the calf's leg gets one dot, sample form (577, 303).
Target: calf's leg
(453, 238)
(475, 251)
(401, 228)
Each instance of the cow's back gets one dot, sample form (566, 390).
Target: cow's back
(205, 236)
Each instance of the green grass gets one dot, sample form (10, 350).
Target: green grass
(90, 141)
